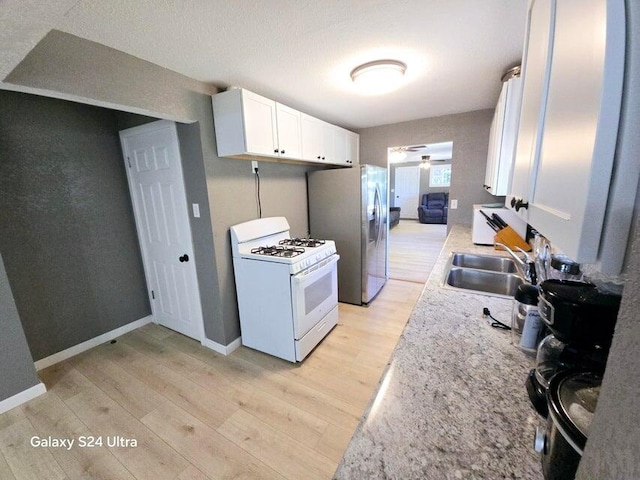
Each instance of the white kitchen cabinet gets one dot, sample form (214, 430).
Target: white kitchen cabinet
(502, 138)
(318, 143)
(535, 73)
(345, 146)
(250, 126)
(353, 148)
(328, 142)
(289, 131)
(246, 124)
(340, 145)
(573, 71)
(312, 138)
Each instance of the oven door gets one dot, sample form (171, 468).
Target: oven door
(314, 293)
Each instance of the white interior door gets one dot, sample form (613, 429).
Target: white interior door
(407, 191)
(154, 170)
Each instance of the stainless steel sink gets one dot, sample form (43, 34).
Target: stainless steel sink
(483, 262)
(495, 283)
(485, 274)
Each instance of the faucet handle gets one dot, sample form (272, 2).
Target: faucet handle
(526, 255)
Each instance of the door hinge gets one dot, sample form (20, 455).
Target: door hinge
(153, 295)
(129, 161)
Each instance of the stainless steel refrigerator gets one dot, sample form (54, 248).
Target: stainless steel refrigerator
(349, 206)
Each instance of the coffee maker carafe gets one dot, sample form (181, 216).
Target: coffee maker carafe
(581, 319)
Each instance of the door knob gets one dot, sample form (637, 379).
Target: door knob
(184, 258)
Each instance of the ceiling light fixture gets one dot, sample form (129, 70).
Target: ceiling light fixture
(379, 76)
(397, 156)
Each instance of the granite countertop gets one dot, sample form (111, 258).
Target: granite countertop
(452, 402)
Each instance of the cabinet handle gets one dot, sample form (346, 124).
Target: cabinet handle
(513, 202)
(275, 151)
(184, 258)
(323, 158)
(521, 204)
(318, 157)
(282, 151)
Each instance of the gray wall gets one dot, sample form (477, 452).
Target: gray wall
(16, 365)
(68, 233)
(470, 135)
(424, 180)
(614, 439)
(62, 64)
(193, 172)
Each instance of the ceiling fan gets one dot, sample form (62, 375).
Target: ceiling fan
(411, 148)
(427, 158)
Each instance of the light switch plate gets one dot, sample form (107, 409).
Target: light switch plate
(454, 204)
(196, 210)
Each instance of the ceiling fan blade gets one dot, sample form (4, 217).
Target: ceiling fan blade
(415, 148)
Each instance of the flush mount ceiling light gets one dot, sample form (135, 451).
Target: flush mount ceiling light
(379, 76)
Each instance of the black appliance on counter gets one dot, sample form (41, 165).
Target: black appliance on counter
(565, 384)
(581, 319)
(572, 399)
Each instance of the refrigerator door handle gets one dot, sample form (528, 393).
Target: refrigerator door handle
(378, 206)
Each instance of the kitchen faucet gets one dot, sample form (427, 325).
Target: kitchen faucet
(526, 268)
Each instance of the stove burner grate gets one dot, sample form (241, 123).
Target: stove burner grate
(302, 242)
(278, 251)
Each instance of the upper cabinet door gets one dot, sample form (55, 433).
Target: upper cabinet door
(495, 142)
(535, 76)
(289, 132)
(571, 177)
(312, 138)
(260, 124)
(353, 148)
(328, 143)
(340, 145)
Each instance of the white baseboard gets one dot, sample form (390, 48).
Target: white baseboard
(22, 397)
(94, 342)
(222, 349)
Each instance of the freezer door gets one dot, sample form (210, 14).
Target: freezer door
(374, 248)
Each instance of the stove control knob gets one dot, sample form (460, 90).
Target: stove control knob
(540, 440)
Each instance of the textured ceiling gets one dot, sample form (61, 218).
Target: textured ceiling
(300, 52)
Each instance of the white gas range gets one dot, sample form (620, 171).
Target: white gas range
(287, 288)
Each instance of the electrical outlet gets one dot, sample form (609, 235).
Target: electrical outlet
(254, 166)
(454, 204)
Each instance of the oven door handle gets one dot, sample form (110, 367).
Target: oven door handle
(317, 269)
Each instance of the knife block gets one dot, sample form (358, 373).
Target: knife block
(511, 239)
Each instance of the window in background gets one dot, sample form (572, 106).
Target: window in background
(440, 176)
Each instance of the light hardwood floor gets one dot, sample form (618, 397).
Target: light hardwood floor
(197, 415)
(413, 249)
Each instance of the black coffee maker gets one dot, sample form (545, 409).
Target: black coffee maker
(581, 320)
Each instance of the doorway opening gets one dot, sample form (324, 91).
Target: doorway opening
(419, 181)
